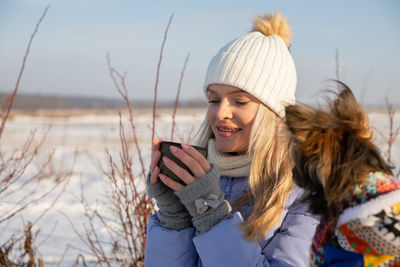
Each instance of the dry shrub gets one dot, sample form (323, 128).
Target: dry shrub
(391, 136)
(118, 235)
(20, 248)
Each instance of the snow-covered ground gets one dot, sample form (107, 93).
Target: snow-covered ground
(87, 135)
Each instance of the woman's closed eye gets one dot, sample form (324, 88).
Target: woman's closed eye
(241, 102)
(213, 100)
(238, 102)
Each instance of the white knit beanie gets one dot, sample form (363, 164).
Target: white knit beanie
(259, 63)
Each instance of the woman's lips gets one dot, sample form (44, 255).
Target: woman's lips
(227, 131)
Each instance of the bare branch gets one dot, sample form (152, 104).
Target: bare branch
(123, 90)
(157, 77)
(177, 96)
(10, 101)
(337, 64)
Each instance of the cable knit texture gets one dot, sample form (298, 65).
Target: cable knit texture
(202, 189)
(172, 213)
(258, 64)
(228, 165)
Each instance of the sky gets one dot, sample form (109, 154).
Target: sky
(68, 55)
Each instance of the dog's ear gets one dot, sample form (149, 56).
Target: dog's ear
(315, 147)
(315, 134)
(304, 121)
(352, 114)
(296, 117)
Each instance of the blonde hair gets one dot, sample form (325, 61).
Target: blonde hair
(204, 133)
(270, 179)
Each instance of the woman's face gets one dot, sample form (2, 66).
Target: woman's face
(231, 113)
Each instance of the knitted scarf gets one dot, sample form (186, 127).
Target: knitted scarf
(368, 225)
(228, 164)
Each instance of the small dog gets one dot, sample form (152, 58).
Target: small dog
(347, 183)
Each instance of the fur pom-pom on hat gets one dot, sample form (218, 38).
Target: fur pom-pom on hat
(259, 63)
(275, 24)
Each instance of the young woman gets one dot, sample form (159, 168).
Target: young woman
(240, 207)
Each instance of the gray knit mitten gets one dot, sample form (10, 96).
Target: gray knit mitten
(172, 213)
(205, 201)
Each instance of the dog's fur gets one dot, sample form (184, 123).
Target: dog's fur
(332, 149)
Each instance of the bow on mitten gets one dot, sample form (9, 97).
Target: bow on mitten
(203, 204)
(205, 201)
(172, 214)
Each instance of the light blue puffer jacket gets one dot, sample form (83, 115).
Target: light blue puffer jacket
(286, 244)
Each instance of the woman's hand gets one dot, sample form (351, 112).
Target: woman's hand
(172, 214)
(193, 159)
(155, 158)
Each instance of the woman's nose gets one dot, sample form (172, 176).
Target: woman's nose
(224, 111)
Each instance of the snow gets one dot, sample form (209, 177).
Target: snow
(87, 135)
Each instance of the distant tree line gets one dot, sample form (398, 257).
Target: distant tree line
(36, 101)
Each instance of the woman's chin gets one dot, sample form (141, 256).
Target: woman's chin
(229, 148)
(223, 147)
(224, 150)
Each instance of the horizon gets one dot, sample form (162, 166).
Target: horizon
(145, 103)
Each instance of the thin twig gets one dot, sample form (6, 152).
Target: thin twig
(10, 101)
(123, 91)
(337, 64)
(392, 135)
(177, 96)
(157, 77)
(80, 256)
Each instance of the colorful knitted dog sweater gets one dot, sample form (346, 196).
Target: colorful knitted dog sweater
(367, 232)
